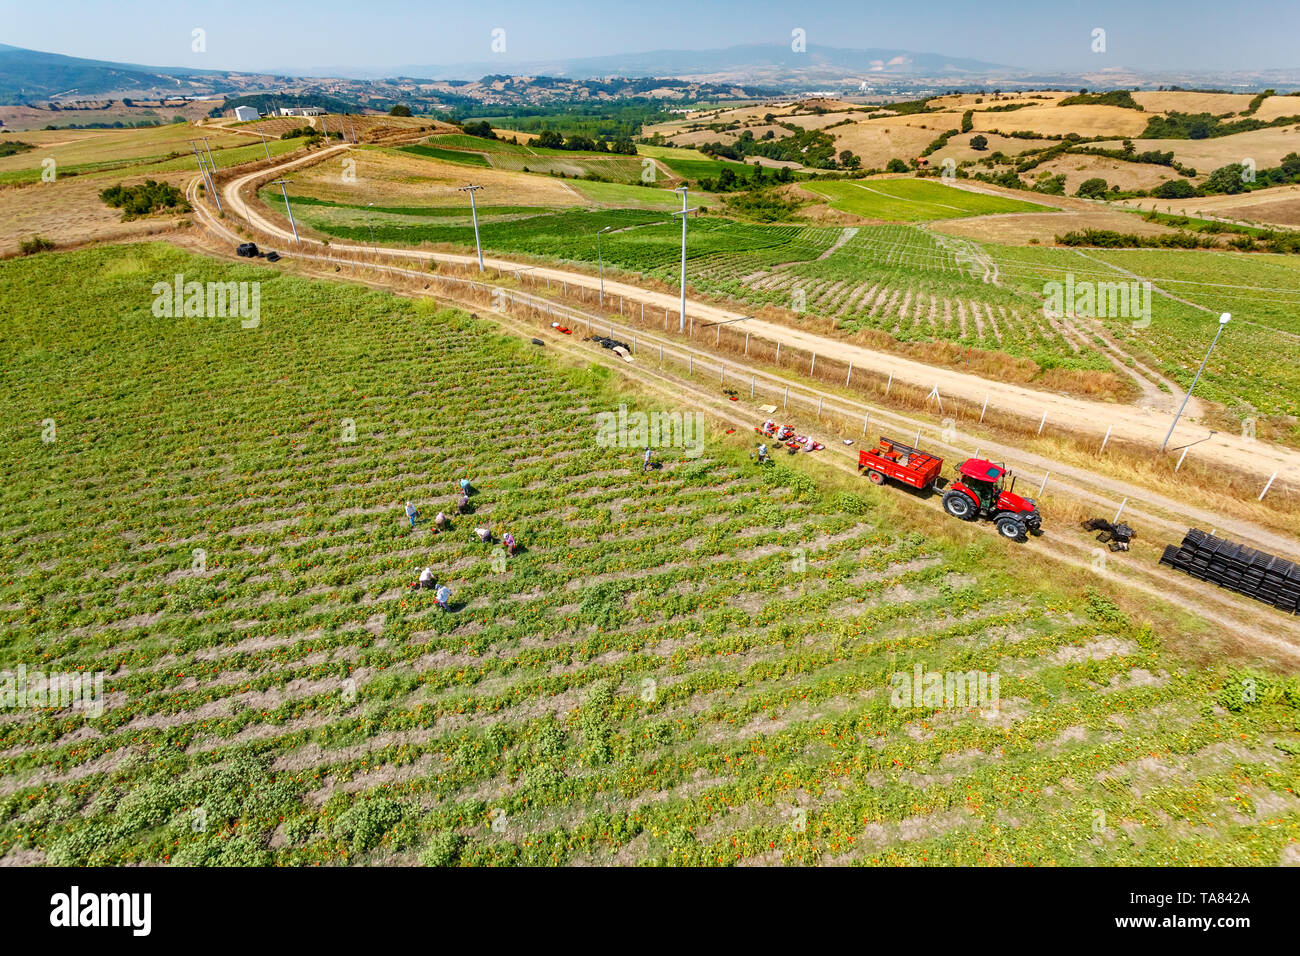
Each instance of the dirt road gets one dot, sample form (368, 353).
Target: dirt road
(1063, 412)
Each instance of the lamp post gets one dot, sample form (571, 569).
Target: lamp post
(600, 257)
(1223, 322)
(474, 210)
(681, 319)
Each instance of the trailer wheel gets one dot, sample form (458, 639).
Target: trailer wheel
(875, 477)
(958, 505)
(1011, 528)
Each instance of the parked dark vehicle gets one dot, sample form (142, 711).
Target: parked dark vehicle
(247, 249)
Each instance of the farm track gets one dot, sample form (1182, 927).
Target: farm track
(1253, 627)
(1076, 415)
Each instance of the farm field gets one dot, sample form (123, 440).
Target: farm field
(695, 665)
(1251, 371)
(914, 200)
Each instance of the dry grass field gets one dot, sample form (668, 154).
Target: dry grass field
(1279, 205)
(69, 212)
(1265, 146)
(390, 178)
(1018, 229)
(1086, 120)
(1076, 168)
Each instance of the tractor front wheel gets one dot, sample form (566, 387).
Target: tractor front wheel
(875, 477)
(958, 505)
(1012, 528)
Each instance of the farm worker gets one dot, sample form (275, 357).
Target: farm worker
(426, 579)
(509, 540)
(462, 505)
(645, 466)
(762, 454)
(484, 535)
(464, 486)
(411, 513)
(442, 596)
(440, 522)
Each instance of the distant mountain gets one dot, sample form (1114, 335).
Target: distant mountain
(28, 76)
(758, 61)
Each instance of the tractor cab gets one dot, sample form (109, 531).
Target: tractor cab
(980, 490)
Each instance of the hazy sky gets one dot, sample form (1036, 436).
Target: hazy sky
(287, 35)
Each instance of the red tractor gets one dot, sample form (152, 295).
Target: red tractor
(978, 492)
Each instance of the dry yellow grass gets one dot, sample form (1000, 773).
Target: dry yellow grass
(70, 212)
(1087, 120)
(1279, 205)
(1265, 146)
(978, 101)
(958, 148)
(72, 148)
(401, 179)
(1275, 107)
(877, 144)
(1165, 101)
(1116, 172)
(1018, 229)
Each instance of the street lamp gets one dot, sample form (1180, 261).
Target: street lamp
(601, 259)
(681, 320)
(1223, 322)
(471, 189)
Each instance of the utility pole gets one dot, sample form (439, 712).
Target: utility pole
(265, 148)
(471, 189)
(203, 171)
(282, 183)
(1223, 322)
(601, 259)
(211, 162)
(681, 320)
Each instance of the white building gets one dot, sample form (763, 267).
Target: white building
(301, 111)
(245, 113)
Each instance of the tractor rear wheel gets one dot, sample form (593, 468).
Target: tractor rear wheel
(1012, 528)
(875, 477)
(957, 504)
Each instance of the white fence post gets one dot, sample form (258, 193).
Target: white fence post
(1266, 487)
(848, 376)
(1043, 422)
(1105, 440)
(984, 409)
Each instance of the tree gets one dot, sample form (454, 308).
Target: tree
(967, 121)
(400, 110)
(896, 166)
(1093, 188)
(1129, 148)
(848, 160)
(979, 142)
(549, 139)
(1226, 179)
(1174, 189)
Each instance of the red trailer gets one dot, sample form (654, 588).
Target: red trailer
(891, 459)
